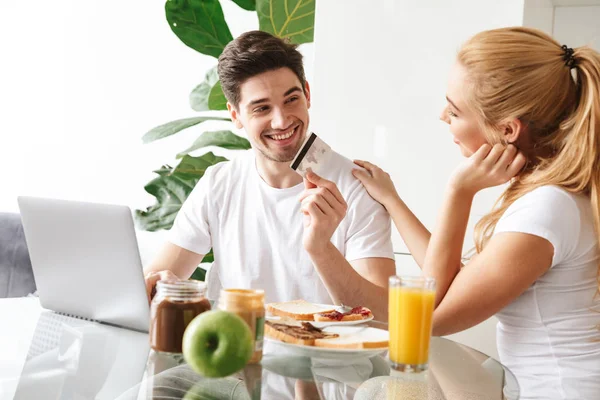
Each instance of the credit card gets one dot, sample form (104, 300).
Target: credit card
(312, 156)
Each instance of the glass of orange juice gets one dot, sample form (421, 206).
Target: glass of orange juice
(411, 303)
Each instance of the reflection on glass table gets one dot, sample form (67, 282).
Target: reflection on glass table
(456, 372)
(70, 358)
(75, 359)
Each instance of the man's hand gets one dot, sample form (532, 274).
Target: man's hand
(324, 208)
(152, 277)
(489, 166)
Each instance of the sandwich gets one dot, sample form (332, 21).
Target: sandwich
(356, 314)
(299, 310)
(304, 334)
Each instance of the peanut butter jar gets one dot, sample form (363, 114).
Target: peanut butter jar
(249, 304)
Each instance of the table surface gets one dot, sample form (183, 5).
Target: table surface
(67, 358)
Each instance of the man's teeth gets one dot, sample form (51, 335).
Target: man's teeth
(284, 136)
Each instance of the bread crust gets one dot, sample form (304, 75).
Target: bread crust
(274, 309)
(325, 317)
(331, 344)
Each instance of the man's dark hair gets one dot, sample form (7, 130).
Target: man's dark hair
(253, 53)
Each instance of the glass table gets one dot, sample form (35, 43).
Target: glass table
(68, 358)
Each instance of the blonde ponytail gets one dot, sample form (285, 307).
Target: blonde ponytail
(521, 73)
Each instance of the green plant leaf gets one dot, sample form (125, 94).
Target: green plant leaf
(171, 128)
(199, 97)
(293, 19)
(208, 258)
(171, 188)
(195, 167)
(217, 99)
(199, 274)
(199, 24)
(225, 139)
(249, 5)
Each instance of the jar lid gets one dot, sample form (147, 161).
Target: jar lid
(190, 286)
(242, 294)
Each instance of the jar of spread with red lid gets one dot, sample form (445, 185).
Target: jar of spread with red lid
(174, 306)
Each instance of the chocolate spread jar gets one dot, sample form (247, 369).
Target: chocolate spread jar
(174, 306)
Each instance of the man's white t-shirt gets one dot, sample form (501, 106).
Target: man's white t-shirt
(548, 337)
(256, 230)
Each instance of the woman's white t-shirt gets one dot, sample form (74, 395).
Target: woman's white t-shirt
(549, 336)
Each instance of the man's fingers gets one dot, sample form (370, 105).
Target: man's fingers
(153, 277)
(322, 182)
(333, 202)
(320, 202)
(168, 276)
(308, 184)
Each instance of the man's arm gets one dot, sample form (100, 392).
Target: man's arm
(363, 283)
(172, 262)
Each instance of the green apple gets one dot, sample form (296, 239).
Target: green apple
(217, 343)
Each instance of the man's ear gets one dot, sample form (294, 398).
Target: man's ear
(233, 113)
(307, 93)
(513, 130)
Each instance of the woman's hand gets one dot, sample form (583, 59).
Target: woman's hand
(487, 167)
(377, 182)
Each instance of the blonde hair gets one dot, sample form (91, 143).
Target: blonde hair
(521, 73)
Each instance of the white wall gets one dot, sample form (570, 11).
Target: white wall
(80, 83)
(380, 82)
(379, 86)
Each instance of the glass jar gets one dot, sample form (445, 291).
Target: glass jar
(174, 306)
(249, 304)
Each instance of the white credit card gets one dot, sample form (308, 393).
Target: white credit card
(312, 156)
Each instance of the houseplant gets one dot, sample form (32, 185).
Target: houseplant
(201, 25)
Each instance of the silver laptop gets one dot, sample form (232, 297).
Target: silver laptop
(86, 261)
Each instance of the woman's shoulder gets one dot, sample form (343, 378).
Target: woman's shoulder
(549, 197)
(548, 207)
(550, 212)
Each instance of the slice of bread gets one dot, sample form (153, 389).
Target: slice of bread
(356, 314)
(299, 310)
(359, 338)
(304, 334)
(327, 317)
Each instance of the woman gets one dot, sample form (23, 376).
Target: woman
(522, 108)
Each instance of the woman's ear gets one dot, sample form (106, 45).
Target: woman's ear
(513, 130)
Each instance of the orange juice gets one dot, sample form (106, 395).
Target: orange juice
(410, 312)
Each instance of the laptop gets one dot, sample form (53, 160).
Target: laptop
(86, 261)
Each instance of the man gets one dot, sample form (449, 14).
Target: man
(267, 229)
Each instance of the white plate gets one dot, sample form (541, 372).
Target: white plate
(323, 352)
(322, 324)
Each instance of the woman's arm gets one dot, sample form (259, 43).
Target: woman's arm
(380, 186)
(489, 166)
(411, 229)
(510, 263)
